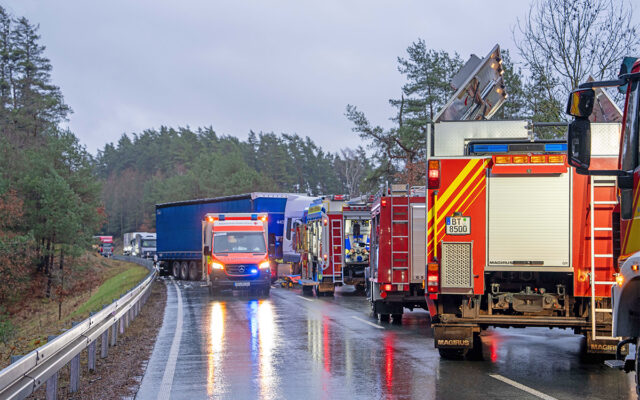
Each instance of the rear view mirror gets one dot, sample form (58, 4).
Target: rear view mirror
(579, 143)
(580, 104)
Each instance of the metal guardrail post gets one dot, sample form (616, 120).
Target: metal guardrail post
(114, 333)
(121, 323)
(104, 344)
(92, 352)
(74, 370)
(52, 382)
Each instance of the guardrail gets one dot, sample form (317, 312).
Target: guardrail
(29, 372)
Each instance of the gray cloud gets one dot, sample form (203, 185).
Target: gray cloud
(282, 66)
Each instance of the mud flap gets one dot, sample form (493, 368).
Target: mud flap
(600, 346)
(326, 287)
(458, 336)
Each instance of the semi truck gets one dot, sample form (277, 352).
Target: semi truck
(293, 215)
(234, 249)
(104, 245)
(515, 236)
(625, 244)
(143, 245)
(395, 276)
(179, 230)
(127, 238)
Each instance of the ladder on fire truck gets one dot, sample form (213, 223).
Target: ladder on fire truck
(399, 210)
(595, 182)
(338, 251)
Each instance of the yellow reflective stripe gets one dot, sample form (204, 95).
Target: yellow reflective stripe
(454, 185)
(442, 214)
(463, 191)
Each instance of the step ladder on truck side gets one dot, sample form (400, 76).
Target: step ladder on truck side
(598, 184)
(399, 236)
(337, 250)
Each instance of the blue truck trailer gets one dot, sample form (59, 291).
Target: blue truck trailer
(179, 229)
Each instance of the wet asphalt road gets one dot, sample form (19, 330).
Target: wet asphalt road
(290, 347)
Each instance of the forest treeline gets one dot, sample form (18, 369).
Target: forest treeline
(167, 164)
(50, 202)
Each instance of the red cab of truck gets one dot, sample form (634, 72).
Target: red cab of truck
(235, 252)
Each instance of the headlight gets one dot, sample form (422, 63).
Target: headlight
(216, 265)
(265, 265)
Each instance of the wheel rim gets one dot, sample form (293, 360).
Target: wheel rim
(176, 269)
(184, 270)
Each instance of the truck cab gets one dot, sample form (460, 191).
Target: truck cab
(625, 292)
(235, 252)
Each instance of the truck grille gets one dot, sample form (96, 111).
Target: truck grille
(239, 269)
(456, 265)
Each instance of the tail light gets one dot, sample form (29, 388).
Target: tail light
(388, 287)
(433, 277)
(433, 180)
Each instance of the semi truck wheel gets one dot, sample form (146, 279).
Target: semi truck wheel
(175, 269)
(184, 271)
(397, 319)
(383, 317)
(193, 271)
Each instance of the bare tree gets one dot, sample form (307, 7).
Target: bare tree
(568, 40)
(352, 170)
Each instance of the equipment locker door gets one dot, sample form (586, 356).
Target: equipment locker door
(418, 249)
(529, 221)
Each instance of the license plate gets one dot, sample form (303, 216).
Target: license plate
(241, 284)
(458, 226)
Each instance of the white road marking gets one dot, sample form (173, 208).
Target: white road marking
(170, 368)
(522, 387)
(304, 298)
(367, 322)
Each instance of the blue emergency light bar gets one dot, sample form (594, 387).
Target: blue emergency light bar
(221, 217)
(254, 217)
(519, 147)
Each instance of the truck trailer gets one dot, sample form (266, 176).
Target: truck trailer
(179, 229)
(515, 237)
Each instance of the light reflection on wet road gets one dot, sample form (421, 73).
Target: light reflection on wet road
(286, 348)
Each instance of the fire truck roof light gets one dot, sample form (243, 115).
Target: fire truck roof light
(221, 217)
(254, 217)
(489, 148)
(556, 159)
(503, 160)
(538, 159)
(555, 147)
(520, 159)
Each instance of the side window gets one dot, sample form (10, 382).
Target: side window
(288, 229)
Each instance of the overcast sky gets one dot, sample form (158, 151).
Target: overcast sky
(283, 66)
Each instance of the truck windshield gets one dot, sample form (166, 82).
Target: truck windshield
(239, 242)
(148, 243)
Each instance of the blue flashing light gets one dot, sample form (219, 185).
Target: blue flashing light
(254, 217)
(555, 147)
(489, 148)
(221, 217)
(254, 271)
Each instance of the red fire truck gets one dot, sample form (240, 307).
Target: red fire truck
(322, 230)
(396, 273)
(333, 241)
(515, 237)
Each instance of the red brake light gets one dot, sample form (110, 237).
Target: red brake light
(433, 277)
(383, 202)
(433, 174)
(388, 287)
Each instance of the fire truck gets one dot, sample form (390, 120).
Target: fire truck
(396, 273)
(334, 244)
(515, 236)
(626, 228)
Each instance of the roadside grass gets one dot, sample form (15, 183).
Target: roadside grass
(36, 318)
(111, 289)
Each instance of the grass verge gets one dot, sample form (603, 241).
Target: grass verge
(111, 289)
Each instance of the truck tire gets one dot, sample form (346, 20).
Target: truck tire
(184, 271)
(175, 269)
(397, 319)
(194, 273)
(383, 317)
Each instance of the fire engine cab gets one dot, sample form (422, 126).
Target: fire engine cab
(515, 237)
